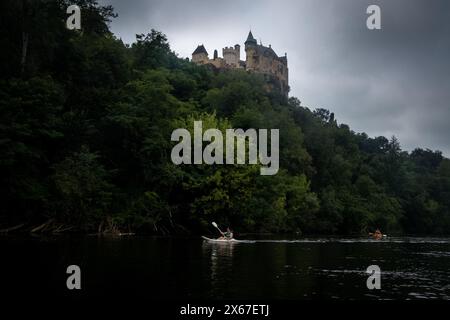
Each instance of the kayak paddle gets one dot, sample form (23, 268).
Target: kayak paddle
(215, 225)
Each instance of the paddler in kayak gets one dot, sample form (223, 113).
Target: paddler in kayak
(377, 235)
(227, 235)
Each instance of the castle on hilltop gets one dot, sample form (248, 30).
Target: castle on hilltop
(259, 59)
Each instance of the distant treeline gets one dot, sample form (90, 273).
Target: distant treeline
(85, 125)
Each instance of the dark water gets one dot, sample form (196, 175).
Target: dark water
(176, 268)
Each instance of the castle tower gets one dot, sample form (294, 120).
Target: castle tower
(200, 55)
(262, 59)
(237, 48)
(250, 52)
(231, 55)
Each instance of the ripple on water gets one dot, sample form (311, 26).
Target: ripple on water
(412, 240)
(436, 254)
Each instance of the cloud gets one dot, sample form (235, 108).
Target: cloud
(394, 81)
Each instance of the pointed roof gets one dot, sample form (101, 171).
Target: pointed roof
(200, 49)
(250, 38)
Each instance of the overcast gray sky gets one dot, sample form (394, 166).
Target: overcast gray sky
(394, 81)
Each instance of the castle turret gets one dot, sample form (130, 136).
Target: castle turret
(250, 51)
(237, 48)
(250, 40)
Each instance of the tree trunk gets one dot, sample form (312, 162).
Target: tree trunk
(25, 36)
(23, 59)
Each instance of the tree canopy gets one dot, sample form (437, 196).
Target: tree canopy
(85, 125)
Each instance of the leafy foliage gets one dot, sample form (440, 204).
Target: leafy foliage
(85, 125)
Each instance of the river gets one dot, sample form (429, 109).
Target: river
(189, 268)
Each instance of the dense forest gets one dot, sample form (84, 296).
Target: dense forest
(85, 126)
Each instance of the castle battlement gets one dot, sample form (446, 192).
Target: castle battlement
(259, 59)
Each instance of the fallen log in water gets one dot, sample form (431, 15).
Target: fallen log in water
(6, 230)
(42, 227)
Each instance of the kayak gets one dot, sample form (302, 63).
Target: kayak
(377, 236)
(219, 240)
(226, 241)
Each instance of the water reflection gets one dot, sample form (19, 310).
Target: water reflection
(221, 265)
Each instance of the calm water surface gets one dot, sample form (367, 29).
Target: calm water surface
(189, 268)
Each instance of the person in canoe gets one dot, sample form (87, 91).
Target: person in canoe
(377, 235)
(227, 235)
